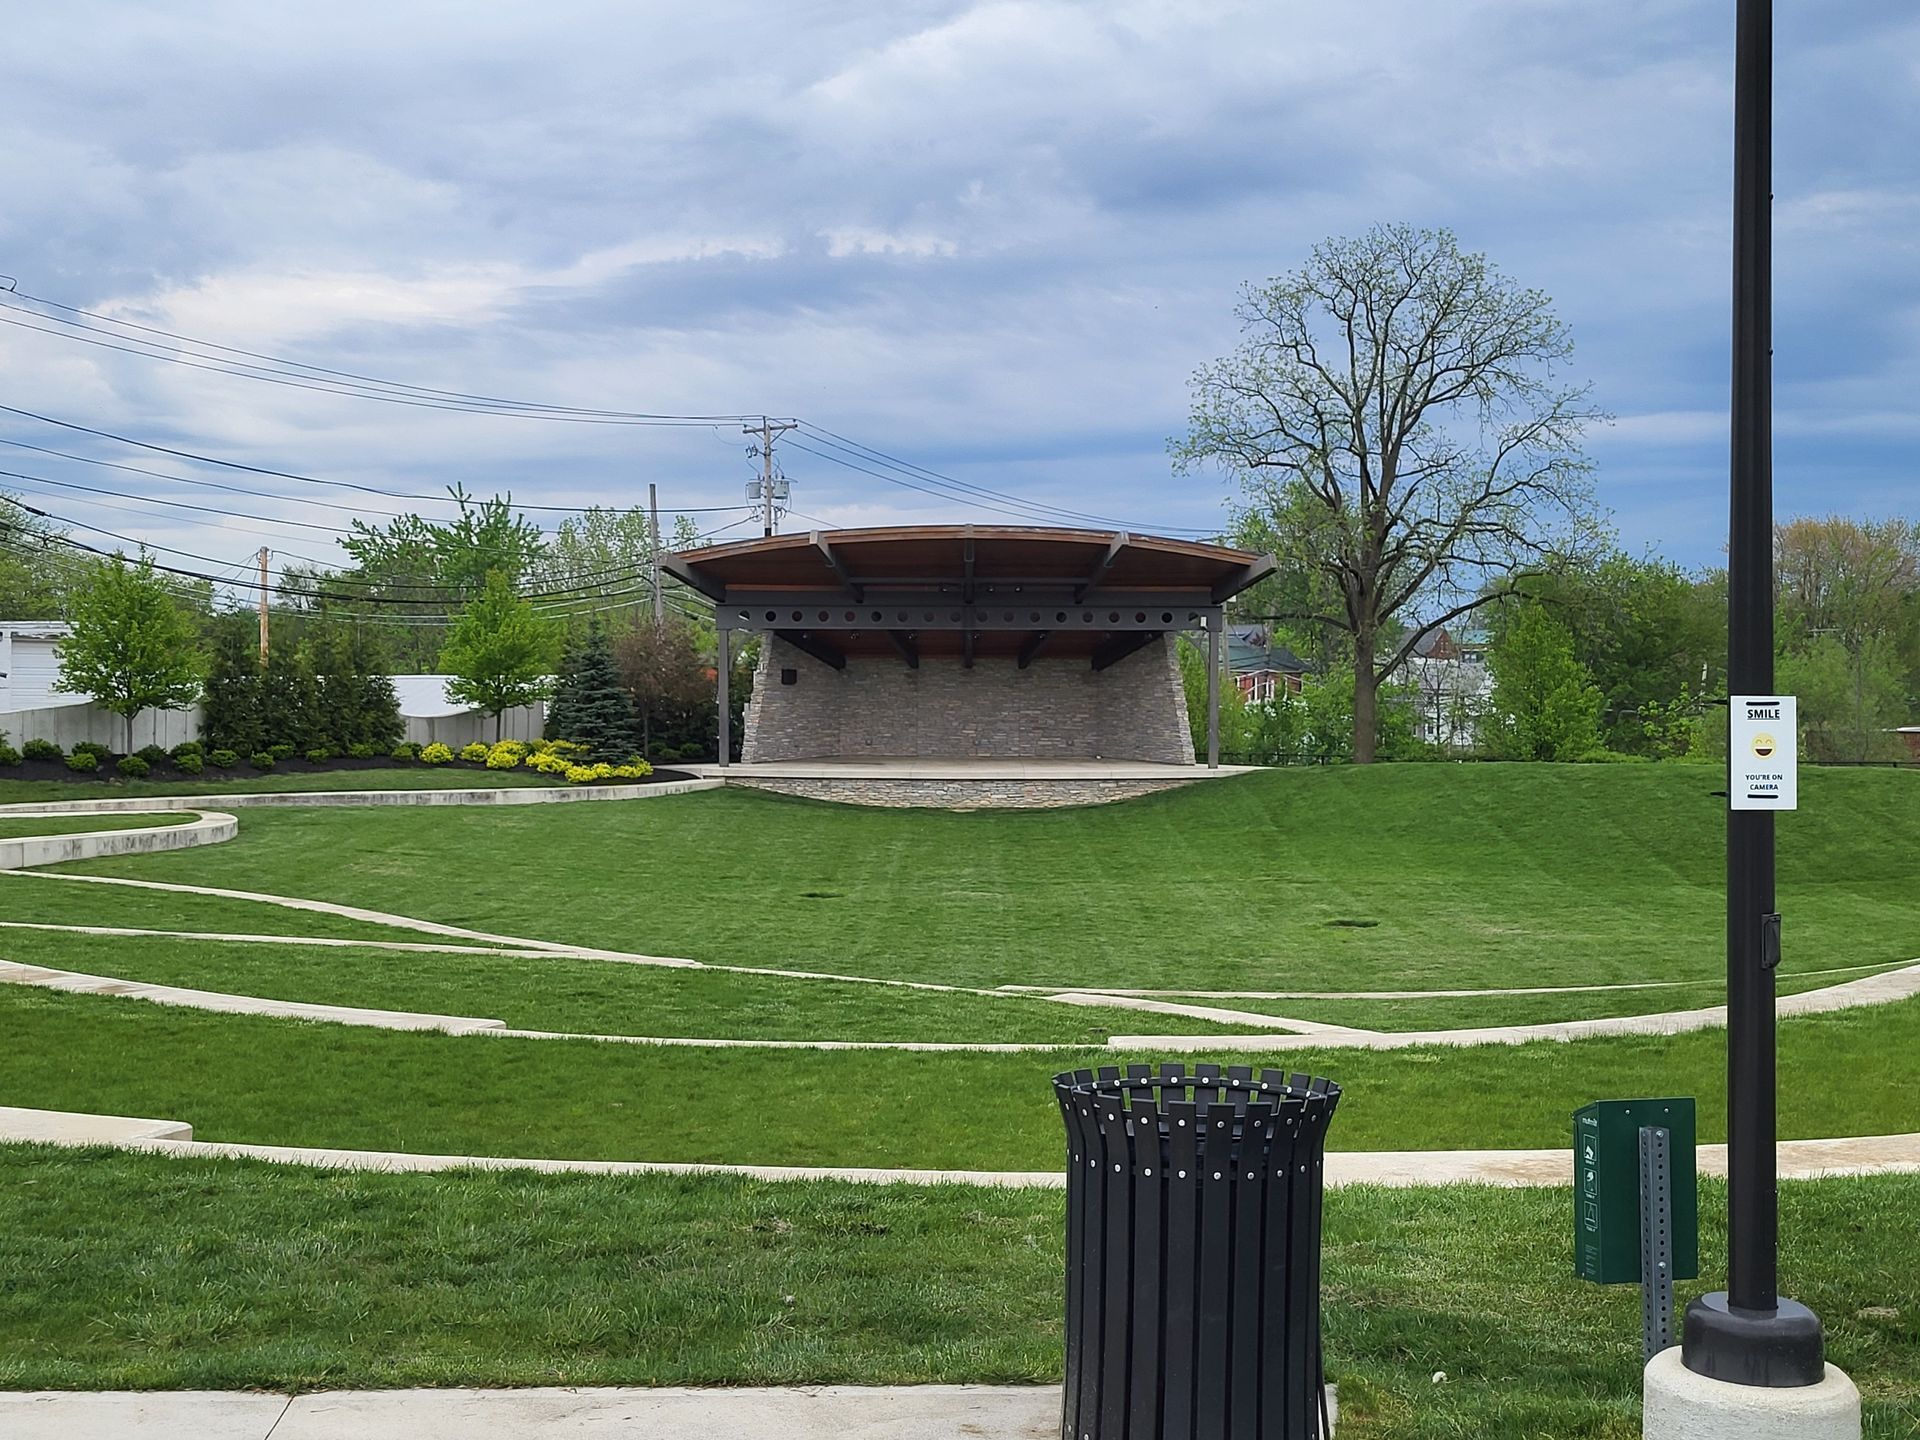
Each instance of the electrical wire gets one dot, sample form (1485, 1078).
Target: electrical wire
(198, 458)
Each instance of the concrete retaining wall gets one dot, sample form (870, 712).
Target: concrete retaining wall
(1053, 710)
(208, 827)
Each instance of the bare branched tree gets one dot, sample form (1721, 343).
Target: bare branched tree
(1403, 440)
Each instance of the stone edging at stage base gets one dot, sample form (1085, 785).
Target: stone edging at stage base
(959, 794)
(502, 795)
(208, 827)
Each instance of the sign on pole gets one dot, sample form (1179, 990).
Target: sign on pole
(1761, 746)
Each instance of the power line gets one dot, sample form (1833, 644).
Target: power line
(198, 458)
(392, 394)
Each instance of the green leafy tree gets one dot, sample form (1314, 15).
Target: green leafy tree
(498, 652)
(590, 705)
(1396, 415)
(283, 695)
(1545, 704)
(132, 647)
(37, 571)
(1235, 731)
(1851, 698)
(230, 717)
(665, 672)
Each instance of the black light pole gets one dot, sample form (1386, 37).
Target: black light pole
(1747, 1334)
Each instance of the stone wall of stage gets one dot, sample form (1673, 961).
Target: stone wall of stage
(1058, 709)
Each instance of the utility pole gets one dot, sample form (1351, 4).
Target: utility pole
(659, 600)
(767, 430)
(262, 558)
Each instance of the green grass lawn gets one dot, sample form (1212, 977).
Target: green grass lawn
(243, 780)
(1481, 875)
(26, 897)
(248, 1078)
(585, 996)
(244, 1275)
(13, 826)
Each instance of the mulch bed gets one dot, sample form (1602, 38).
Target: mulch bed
(56, 770)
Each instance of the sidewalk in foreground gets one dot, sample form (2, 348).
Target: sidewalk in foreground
(916, 1412)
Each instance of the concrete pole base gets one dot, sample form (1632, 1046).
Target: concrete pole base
(1681, 1405)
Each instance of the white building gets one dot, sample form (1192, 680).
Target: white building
(432, 714)
(1452, 688)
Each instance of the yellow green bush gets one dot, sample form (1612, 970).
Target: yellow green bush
(475, 751)
(435, 754)
(506, 755)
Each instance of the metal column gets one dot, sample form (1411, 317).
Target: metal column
(1214, 628)
(1748, 1334)
(725, 669)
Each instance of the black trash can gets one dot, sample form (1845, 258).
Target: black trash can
(1193, 1253)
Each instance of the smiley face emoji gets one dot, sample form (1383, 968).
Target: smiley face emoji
(1763, 745)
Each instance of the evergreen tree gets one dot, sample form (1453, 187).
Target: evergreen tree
(231, 719)
(590, 705)
(377, 711)
(281, 696)
(131, 648)
(336, 723)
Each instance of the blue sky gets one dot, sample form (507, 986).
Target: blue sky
(992, 239)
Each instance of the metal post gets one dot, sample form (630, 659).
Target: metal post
(725, 668)
(1213, 691)
(1748, 1334)
(1656, 1240)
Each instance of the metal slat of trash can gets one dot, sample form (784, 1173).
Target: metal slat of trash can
(1193, 1253)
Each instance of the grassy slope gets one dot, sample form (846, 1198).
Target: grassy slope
(252, 1079)
(585, 996)
(18, 825)
(247, 1275)
(1478, 876)
(248, 781)
(25, 896)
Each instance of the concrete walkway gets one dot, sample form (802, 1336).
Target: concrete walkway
(1400, 1169)
(912, 1412)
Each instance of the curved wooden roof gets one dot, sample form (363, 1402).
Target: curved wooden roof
(913, 557)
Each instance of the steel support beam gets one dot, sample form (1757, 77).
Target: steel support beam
(1246, 579)
(1033, 645)
(1114, 547)
(1214, 633)
(808, 643)
(826, 611)
(903, 642)
(723, 672)
(1120, 646)
(966, 649)
(966, 569)
(838, 567)
(692, 578)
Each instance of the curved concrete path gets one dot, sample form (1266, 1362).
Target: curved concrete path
(824, 1412)
(1401, 1169)
(1293, 1034)
(1879, 989)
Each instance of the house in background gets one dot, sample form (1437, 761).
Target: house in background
(1263, 668)
(1452, 686)
(1910, 734)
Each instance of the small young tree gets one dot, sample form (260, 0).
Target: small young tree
(132, 648)
(664, 671)
(1545, 704)
(498, 652)
(230, 718)
(590, 705)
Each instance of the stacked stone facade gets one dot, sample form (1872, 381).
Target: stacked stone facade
(1053, 710)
